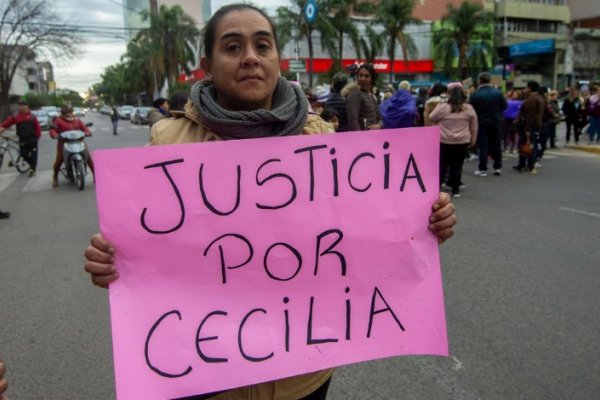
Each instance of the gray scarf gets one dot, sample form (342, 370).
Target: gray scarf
(288, 116)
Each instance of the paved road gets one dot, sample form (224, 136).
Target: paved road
(521, 277)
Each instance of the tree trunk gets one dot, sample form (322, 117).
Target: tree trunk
(4, 104)
(462, 59)
(392, 58)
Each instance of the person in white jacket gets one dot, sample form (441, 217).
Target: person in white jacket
(458, 124)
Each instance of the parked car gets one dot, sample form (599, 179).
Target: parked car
(42, 117)
(133, 110)
(105, 109)
(52, 111)
(141, 115)
(79, 112)
(125, 112)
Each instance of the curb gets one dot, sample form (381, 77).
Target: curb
(589, 149)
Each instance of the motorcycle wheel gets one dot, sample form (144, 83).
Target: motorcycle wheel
(80, 174)
(21, 165)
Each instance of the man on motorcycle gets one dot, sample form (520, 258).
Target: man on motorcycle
(29, 133)
(67, 122)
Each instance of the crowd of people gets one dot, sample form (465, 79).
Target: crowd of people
(477, 122)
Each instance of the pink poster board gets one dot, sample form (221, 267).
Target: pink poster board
(247, 261)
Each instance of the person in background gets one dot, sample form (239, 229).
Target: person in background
(572, 109)
(331, 115)
(489, 104)
(337, 102)
(67, 121)
(361, 104)
(29, 133)
(554, 110)
(593, 110)
(400, 111)
(177, 101)
(437, 95)
(160, 111)
(514, 103)
(420, 102)
(458, 125)
(234, 104)
(114, 119)
(4, 214)
(529, 123)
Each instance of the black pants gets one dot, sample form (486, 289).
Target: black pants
(576, 129)
(452, 157)
(29, 151)
(490, 143)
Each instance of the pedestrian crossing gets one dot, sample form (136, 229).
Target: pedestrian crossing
(41, 181)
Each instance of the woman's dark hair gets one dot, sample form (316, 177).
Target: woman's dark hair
(328, 113)
(456, 99)
(371, 69)
(178, 100)
(208, 33)
(437, 89)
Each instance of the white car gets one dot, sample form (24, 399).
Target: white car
(42, 117)
(125, 112)
(52, 111)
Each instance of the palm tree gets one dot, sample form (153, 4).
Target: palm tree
(169, 42)
(372, 45)
(339, 12)
(291, 19)
(466, 30)
(394, 16)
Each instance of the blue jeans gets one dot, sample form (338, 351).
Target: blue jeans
(490, 143)
(594, 129)
(115, 123)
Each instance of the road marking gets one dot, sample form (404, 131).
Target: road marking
(7, 179)
(458, 365)
(43, 181)
(573, 210)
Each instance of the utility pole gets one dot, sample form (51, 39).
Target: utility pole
(153, 7)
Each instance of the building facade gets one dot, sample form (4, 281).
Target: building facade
(32, 77)
(533, 36)
(583, 55)
(200, 10)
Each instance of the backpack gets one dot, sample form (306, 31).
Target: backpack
(26, 130)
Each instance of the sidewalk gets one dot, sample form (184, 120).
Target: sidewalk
(590, 148)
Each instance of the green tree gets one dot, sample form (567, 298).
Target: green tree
(394, 16)
(468, 31)
(372, 45)
(292, 25)
(115, 87)
(27, 28)
(169, 44)
(339, 12)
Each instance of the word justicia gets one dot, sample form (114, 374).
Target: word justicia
(336, 177)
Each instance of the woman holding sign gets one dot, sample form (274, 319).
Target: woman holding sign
(244, 97)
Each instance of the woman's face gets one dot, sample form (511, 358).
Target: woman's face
(245, 63)
(365, 80)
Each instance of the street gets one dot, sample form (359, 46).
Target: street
(521, 282)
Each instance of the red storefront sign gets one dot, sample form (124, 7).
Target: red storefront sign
(323, 65)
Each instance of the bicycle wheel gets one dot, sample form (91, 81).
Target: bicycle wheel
(21, 165)
(80, 174)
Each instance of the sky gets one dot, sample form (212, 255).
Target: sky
(100, 51)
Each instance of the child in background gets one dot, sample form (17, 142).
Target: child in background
(332, 117)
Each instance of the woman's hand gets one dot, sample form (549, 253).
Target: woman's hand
(100, 261)
(3, 382)
(442, 219)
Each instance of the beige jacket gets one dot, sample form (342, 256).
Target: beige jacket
(185, 127)
(456, 128)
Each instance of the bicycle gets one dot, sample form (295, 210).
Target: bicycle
(11, 147)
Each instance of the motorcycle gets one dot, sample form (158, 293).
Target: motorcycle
(74, 167)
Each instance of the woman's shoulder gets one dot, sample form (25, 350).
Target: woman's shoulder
(315, 125)
(179, 129)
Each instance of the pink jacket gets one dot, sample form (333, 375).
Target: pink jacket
(457, 128)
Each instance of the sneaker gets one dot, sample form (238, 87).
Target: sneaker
(4, 214)
(533, 171)
(498, 172)
(462, 185)
(517, 168)
(480, 173)
(455, 195)
(31, 172)
(538, 164)
(472, 157)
